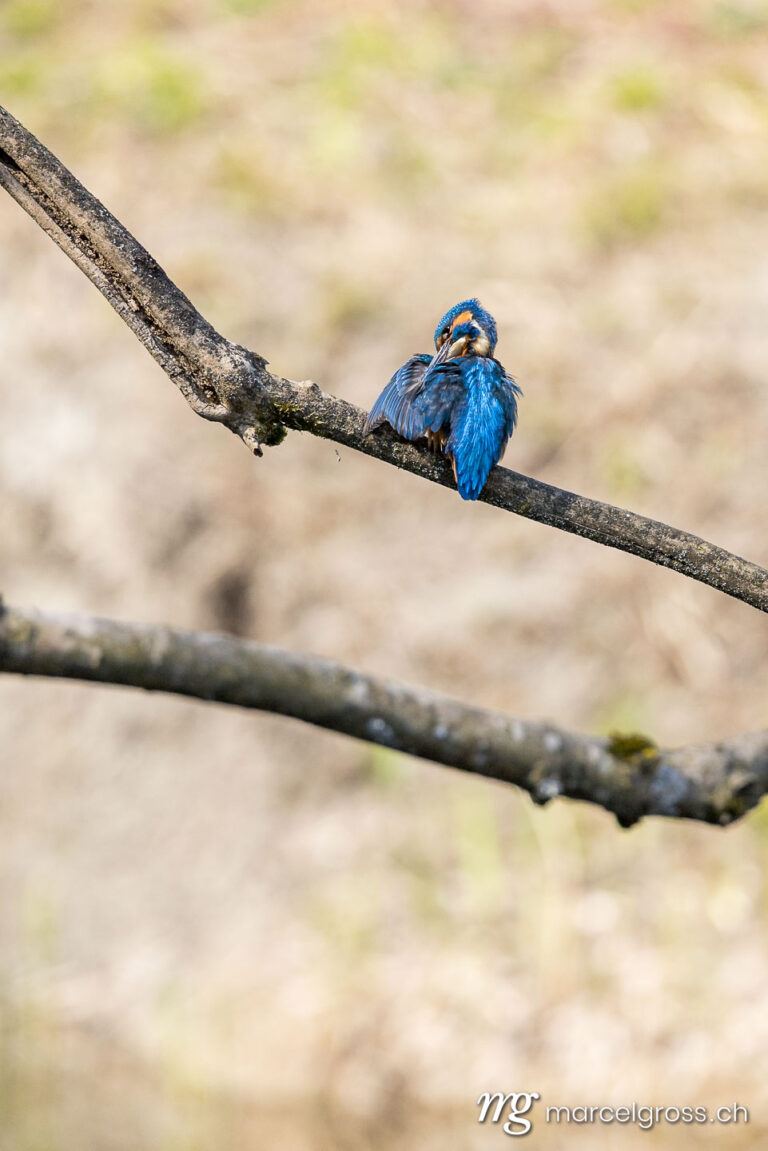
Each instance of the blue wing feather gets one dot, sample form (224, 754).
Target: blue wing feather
(395, 405)
(440, 395)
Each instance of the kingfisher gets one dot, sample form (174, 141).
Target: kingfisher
(460, 400)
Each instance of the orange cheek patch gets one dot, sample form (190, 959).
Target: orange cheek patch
(462, 318)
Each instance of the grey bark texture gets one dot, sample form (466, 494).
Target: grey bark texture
(229, 384)
(626, 775)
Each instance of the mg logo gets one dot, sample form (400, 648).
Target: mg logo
(516, 1106)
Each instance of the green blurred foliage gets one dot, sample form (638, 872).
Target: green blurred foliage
(384, 768)
(627, 206)
(348, 303)
(249, 186)
(34, 19)
(151, 86)
(639, 89)
(251, 7)
(349, 916)
(628, 710)
(739, 17)
(632, 7)
(20, 75)
(479, 847)
(621, 470)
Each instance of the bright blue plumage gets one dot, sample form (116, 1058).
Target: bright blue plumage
(474, 401)
(461, 398)
(395, 407)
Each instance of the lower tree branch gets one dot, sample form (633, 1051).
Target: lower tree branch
(226, 383)
(626, 775)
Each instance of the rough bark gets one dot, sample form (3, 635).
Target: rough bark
(626, 775)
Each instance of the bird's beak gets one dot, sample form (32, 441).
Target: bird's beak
(449, 349)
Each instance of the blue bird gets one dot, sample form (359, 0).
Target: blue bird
(461, 400)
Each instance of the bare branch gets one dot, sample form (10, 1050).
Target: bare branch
(627, 775)
(227, 383)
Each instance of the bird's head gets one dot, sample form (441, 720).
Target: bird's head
(467, 329)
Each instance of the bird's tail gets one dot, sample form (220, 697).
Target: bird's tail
(479, 434)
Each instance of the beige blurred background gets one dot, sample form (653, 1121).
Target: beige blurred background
(229, 930)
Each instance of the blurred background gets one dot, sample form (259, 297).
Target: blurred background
(223, 929)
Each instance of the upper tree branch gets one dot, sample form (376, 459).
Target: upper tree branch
(628, 776)
(225, 382)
